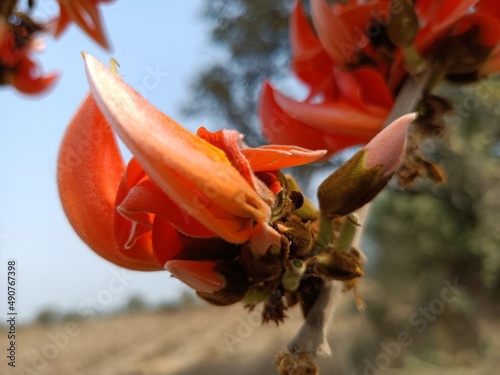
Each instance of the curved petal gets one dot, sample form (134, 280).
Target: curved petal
(166, 240)
(89, 170)
(489, 7)
(279, 127)
(147, 197)
(338, 117)
(133, 238)
(310, 61)
(273, 157)
(438, 19)
(229, 141)
(373, 90)
(332, 32)
(303, 41)
(86, 15)
(343, 29)
(489, 28)
(26, 78)
(191, 171)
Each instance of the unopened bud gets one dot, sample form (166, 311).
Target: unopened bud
(264, 267)
(298, 234)
(362, 177)
(403, 26)
(338, 265)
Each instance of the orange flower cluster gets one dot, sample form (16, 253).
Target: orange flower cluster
(18, 40)
(185, 202)
(17, 68)
(357, 55)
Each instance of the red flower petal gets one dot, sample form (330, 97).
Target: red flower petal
(437, 21)
(279, 127)
(147, 198)
(194, 173)
(338, 117)
(274, 157)
(229, 142)
(90, 168)
(310, 61)
(27, 79)
(86, 15)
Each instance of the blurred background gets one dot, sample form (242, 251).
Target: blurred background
(433, 273)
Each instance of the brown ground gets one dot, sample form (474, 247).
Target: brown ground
(197, 340)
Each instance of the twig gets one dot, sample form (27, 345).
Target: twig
(311, 338)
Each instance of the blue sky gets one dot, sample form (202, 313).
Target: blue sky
(55, 268)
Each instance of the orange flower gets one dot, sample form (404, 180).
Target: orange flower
(343, 108)
(86, 15)
(358, 55)
(185, 202)
(16, 66)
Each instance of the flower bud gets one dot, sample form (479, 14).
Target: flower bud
(298, 234)
(338, 265)
(362, 177)
(403, 26)
(264, 267)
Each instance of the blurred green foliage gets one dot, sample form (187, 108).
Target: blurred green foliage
(429, 234)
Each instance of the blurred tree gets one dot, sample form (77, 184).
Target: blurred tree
(47, 316)
(136, 304)
(254, 36)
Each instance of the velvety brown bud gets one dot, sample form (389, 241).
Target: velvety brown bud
(298, 234)
(264, 267)
(338, 265)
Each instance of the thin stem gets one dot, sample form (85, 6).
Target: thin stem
(347, 233)
(325, 234)
(312, 336)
